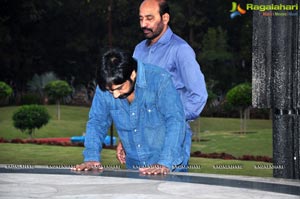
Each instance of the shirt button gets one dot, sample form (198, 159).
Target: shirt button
(139, 145)
(135, 130)
(149, 110)
(132, 113)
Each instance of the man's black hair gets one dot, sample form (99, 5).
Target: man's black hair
(164, 7)
(116, 68)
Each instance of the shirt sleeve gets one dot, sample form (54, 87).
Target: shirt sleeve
(194, 93)
(170, 105)
(96, 129)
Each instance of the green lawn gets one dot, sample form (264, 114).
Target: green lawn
(30, 154)
(256, 143)
(73, 120)
(220, 135)
(217, 135)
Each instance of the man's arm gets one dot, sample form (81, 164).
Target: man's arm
(96, 129)
(194, 93)
(169, 104)
(171, 107)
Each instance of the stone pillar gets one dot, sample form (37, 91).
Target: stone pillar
(276, 82)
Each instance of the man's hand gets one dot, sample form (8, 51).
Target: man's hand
(87, 166)
(155, 170)
(121, 156)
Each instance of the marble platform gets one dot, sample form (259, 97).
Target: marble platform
(62, 183)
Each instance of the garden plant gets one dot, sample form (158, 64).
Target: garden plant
(30, 117)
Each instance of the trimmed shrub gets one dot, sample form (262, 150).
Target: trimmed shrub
(240, 95)
(30, 117)
(57, 90)
(5, 90)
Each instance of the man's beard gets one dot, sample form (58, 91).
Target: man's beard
(156, 33)
(125, 95)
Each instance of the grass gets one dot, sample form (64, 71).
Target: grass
(217, 135)
(257, 143)
(73, 121)
(30, 154)
(33, 154)
(220, 135)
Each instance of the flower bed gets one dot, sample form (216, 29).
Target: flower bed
(67, 142)
(226, 156)
(53, 141)
(48, 141)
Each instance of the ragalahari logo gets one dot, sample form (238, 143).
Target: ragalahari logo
(236, 10)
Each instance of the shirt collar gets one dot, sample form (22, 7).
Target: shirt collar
(165, 37)
(141, 75)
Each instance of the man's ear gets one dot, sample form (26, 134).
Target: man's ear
(133, 75)
(166, 18)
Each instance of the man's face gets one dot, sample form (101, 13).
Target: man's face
(150, 20)
(122, 91)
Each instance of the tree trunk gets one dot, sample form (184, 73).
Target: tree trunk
(246, 117)
(30, 132)
(241, 120)
(58, 109)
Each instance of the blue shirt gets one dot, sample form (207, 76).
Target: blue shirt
(151, 128)
(177, 57)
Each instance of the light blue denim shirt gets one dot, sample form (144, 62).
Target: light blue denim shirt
(177, 57)
(151, 128)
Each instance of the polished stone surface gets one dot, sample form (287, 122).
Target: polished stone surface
(41, 182)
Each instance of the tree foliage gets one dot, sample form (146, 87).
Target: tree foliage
(69, 36)
(241, 97)
(30, 117)
(215, 45)
(58, 89)
(38, 83)
(5, 90)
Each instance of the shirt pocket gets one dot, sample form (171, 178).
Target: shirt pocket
(121, 120)
(152, 118)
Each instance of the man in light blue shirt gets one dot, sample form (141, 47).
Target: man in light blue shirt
(142, 102)
(165, 49)
(177, 57)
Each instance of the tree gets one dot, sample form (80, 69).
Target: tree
(38, 83)
(5, 90)
(58, 89)
(241, 96)
(187, 20)
(216, 56)
(30, 117)
(68, 37)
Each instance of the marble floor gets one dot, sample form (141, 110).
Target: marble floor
(47, 183)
